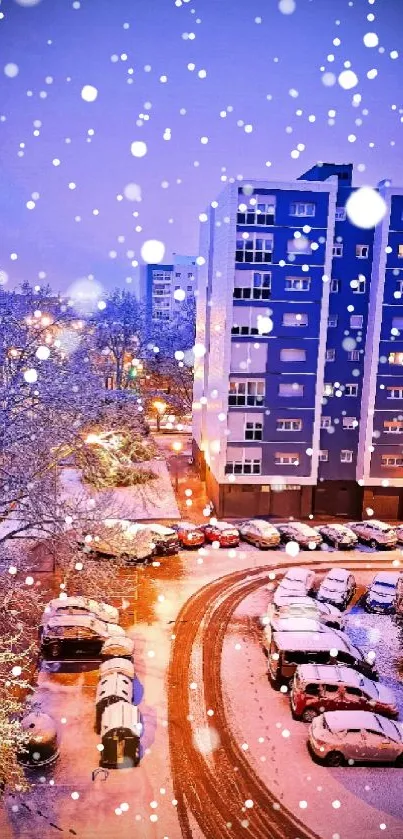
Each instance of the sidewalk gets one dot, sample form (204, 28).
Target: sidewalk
(184, 477)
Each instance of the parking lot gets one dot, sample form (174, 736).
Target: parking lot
(276, 744)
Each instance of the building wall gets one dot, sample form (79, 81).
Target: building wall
(159, 283)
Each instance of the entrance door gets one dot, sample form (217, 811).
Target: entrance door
(285, 503)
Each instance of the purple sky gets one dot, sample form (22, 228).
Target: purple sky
(61, 45)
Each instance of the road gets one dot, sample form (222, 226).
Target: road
(214, 786)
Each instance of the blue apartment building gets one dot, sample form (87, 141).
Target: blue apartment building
(300, 389)
(160, 284)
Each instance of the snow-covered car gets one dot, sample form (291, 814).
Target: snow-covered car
(306, 607)
(376, 534)
(260, 533)
(222, 532)
(291, 625)
(337, 587)
(297, 531)
(317, 688)
(381, 595)
(399, 532)
(124, 540)
(72, 636)
(338, 535)
(78, 605)
(165, 538)
(190, 535)
(349, 737)
(296, 582)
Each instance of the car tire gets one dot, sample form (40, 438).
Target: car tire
(334, 759)
(55, 649)
(308, 715)
(399, 761)
(373, 543)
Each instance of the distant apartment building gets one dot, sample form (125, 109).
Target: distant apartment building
(164, 288)
(298, 399)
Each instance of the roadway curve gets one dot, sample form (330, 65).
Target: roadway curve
(214, 787)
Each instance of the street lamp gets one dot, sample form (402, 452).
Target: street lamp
(160, 407)
(177, 448)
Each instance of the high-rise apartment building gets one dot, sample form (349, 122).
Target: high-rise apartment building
(165, 288)
(300, 389)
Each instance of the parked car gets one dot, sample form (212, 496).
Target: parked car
(190, 535)
(303, 534)
(381, 595)
(399, 532)
(296, 581)
(289, 649)
(79, 605)
(306, 607)
(260, 533)
(72, 636)
(375, 533)
(338, 535)
(127, 541)
(337, 587)
(339, 737)
(290, 625)
(165, 538)
(222, 532)
(331, 687)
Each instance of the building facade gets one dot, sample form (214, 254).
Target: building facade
(164, 288)
(297, 394)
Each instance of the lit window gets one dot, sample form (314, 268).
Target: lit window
(299, 246)
(289, 425)
(362, 251)
(393, 426)
(350, 422)
(351, 390)
(337, 249)
(391, 460)
(346, 456)
(400, 251)
(396, 358)
(325, 422)
(294, 319)
(302, 208)
(297, 283)
(356, 321)
(394, 392)
(323, 455)
(286, 458)
(328, 389)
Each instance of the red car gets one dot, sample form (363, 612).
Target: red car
(222, 532)
(190, 535)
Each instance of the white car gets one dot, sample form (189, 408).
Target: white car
(339, 535)
(399, 532)
(260, 533)
(291, 625)
(303, 534)
(306, 607)
(339, 737)
(78, 606)
(296, 582)
(375, 533)
(381, 595)
(337, 587)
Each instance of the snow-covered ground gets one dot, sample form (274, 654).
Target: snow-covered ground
(153, 500)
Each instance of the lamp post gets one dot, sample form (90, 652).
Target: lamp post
(177, 448)
(160, 407)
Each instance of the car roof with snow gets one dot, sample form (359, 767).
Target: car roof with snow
(298, 573)
(333, 639)
(338, 528)
(261, 523)
(297, 624)
(86, 621)
(223, 525)
(159, 529)
(340, 575)
(333, 673)
(386, 578)
(342, 720)
(378, 525)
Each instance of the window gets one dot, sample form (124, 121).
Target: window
(253, 431)
(396, 358)
(254, 286)
(358, 286)
(299, 245)
(330, 355)
(399, 286)
(332, 320)
(254, 249)
(286, 459)
(323, 455)
(289, 389)
(393, 427)
(337, 249)
(297, 283)
(400, 251)
(190, 276)
(340, 214)
(397, 323)
(356, 321)
(362, 251)
(246, 393)
(394, 392)
(334, 286)
(351, 390)
(247, 466)
(176, 287)
(325, 422)
(289, 425)
(294, 319)
(177, 275)
(301, 208)
(391, 460)
(289, 354)
(354, 355)
(189, 288)
(346, 456)
(350, 422)
(249, 321)
(258, 214)
(328, 389)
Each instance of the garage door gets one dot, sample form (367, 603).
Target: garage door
(386, 506)
(285, 503)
